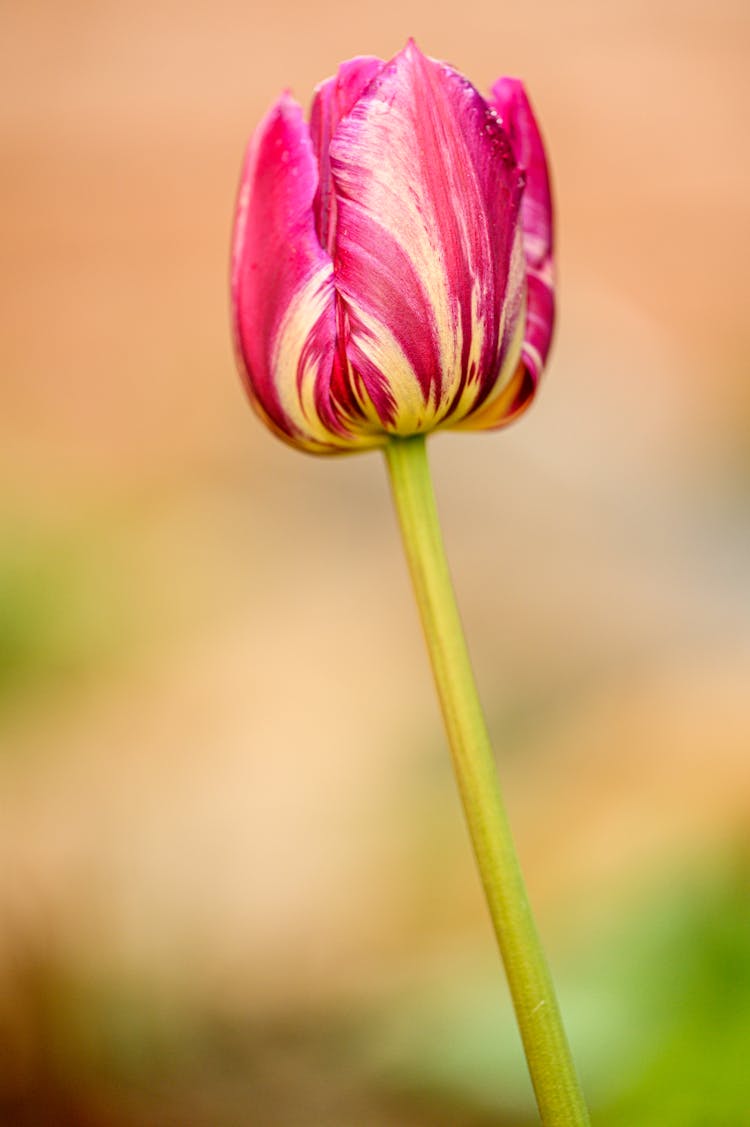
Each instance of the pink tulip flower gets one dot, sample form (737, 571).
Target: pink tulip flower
(392, 267)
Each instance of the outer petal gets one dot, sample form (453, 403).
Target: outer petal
(512, 104)
(426, 256)
(283, 297)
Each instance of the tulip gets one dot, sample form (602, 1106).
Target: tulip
(392, 274)
(392, 259)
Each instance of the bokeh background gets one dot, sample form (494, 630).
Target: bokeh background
(235, 886)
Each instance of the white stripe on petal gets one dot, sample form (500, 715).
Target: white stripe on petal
(297, 369)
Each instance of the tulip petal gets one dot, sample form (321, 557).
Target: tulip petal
(427, 259)
(512, 104)
(284, 300)
(334, 99)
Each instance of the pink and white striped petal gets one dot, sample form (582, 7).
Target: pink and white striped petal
(427, 259)
(513, 106)
(283, 296)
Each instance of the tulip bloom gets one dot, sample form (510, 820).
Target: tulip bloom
(392, 260)
(392, 274)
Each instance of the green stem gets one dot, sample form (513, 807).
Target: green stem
(550, 1063)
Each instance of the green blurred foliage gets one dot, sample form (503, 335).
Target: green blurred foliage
(61, 614)
(658, 1010)
(657, 1006)
(690, 978)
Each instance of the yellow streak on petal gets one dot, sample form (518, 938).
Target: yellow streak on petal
(382, 349)
(296, 385)
(488, 410)
(506, 388)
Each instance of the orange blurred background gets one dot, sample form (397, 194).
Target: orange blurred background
(234, 882)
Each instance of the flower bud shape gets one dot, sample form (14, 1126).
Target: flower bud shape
(392, 265)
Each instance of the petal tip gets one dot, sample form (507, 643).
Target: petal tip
(410, 53)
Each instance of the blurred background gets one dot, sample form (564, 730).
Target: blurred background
(235, 885)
